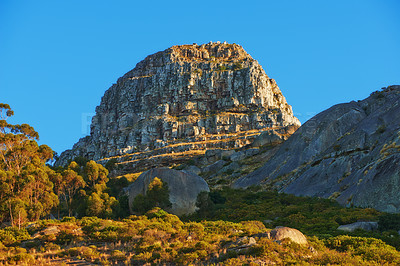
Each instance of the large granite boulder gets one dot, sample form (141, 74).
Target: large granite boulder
(294, 235)
(183, 188)
(350, 152)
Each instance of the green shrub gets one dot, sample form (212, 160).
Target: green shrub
(157, 195)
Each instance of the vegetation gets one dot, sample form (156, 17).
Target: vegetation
(162, 238)
(26, 192)
(93, 223)
(157, 195)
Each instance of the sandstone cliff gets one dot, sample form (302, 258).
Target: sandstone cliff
(184, 100)
(350, 152)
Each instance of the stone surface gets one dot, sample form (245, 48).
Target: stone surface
(350, 152)
(267, 138)
(230, 167)
(183, 188)
(51, 230)
(241, 245)
(280, 233)
(215, 167)
(188, 97)
(237, 156)
(193, 169)
(367, 226)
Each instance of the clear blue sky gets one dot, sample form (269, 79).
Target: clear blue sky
(57, 58)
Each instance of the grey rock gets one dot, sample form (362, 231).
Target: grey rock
(230, 167)
(349, 152)
(204, 96)
(242, 244)
(267, 138)
(193, 169)
(213, 155)
(226, 154)
(183, 188)
(238, 156)
(280, 233)
(51, 230)
(251, 152)
(215, 167)
(367, 226)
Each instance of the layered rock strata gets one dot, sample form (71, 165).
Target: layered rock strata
(184, 99)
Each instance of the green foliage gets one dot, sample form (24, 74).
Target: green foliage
(369, 249)
(310, 215)
(157, 195)
(161, 238)
(26, 191)
(111, 164)
(389, 221)
(12, 235)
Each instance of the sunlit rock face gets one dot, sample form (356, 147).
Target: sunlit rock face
(188, 97)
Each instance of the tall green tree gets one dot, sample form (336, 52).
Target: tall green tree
(26, 192)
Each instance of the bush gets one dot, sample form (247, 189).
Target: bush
(157, 195)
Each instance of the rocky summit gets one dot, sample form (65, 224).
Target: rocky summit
(350, 152)
(182, 101)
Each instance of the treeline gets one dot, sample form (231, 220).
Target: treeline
(30, 188)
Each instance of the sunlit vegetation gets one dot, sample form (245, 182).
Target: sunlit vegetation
(90, 218)
(162, 238)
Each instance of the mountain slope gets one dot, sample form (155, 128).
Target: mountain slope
(349, 152)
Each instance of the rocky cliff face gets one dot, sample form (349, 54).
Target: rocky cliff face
(186, 98)
(350, 152)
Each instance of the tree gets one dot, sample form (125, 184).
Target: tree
(26, 191)
(67, 184)
(157, 195)
(95, 173)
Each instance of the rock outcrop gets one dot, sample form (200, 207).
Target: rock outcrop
(183, 188)
(350, 152)
(294, 235)
(366, 226)
(184, 99)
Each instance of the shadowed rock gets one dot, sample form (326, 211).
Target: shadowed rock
(350, 152)
(183, 188)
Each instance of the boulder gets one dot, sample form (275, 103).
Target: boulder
(51, 230)
(193, 169)
(367, 226)
(242, 244)
(267, 138)
(280, 233)
(213, 155)
(238, 156)
(230, 167)
(251, 152)
(226, 154)
(183, 188)
(215, 167)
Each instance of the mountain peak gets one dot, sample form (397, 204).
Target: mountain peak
(184, 100)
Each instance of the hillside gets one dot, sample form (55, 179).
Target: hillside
(349, 152)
